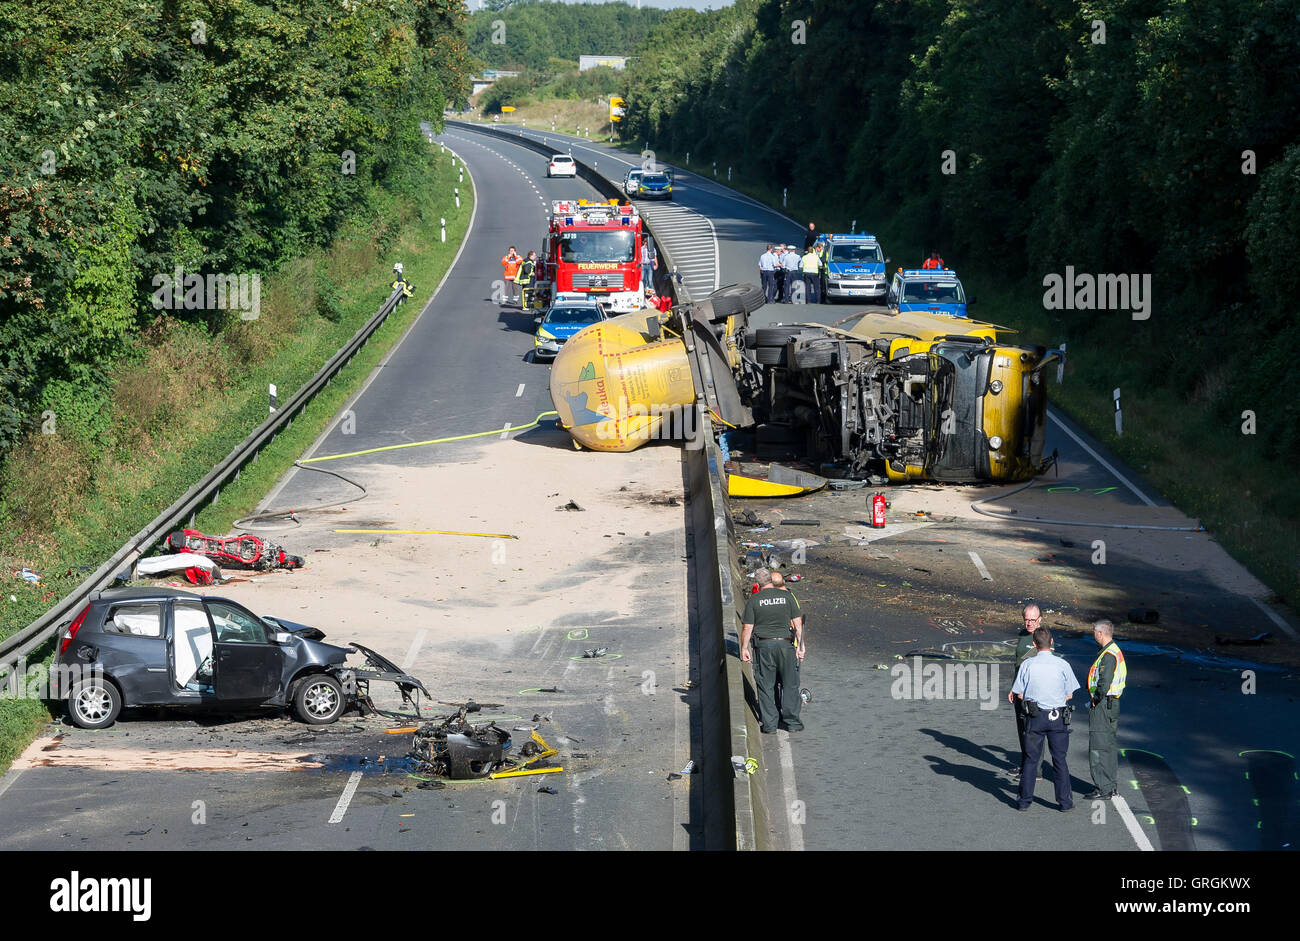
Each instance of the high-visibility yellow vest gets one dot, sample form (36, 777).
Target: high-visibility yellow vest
(1121, 671)
(811, 263)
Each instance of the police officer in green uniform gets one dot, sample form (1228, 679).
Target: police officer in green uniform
(1106, 681)
(773, 621)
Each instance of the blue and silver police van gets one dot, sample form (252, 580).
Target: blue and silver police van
(855, 268)
(936, 290)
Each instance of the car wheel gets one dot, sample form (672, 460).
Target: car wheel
(318, 700)
(94, 704)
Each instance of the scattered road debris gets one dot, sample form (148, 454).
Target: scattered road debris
(547, 790)
(670, 501)
(593, 653)
(1144, 615)
(689, 768)
(453, 747)
(28, 575)
(571, 506)
(1256, 641)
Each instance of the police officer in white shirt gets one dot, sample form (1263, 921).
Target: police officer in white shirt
(767, 271)
(1045, 683)
(793, 276)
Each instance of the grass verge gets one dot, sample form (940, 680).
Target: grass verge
(67, 506)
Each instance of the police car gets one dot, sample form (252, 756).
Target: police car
(937, 290)
(657, 185)
(565, 318)
(855, 267)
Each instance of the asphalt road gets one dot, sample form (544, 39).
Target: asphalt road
(1208, 760)
(184, 782)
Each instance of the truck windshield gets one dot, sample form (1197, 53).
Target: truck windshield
(858, 253)
(611, 247)
(933, 292)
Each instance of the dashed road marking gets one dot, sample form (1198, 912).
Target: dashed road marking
(506, 430)
(520, 390)
(1134, 828)
(345, 798)
(979, 564)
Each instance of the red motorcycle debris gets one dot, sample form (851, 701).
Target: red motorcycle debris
(246, 551)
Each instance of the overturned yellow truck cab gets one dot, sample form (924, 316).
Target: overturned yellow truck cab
(910, 396)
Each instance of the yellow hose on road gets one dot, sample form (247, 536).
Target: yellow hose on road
(418, 444)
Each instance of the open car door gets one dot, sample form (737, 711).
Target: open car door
(246, 663)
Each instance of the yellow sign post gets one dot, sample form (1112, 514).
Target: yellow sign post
(507, 108)
(616, 109)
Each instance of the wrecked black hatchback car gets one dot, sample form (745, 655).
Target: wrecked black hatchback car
(166, 647)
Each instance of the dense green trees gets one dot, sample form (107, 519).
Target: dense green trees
(1172, 148)
(136, 137)
(525, 35)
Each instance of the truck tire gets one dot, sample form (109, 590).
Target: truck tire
(770, 355)
(776, 336)
(814, 357)
(718, 309)
(750, 295)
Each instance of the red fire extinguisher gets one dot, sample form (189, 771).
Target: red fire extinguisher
(878, 510)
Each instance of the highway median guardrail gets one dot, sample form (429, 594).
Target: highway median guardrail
(733, 809)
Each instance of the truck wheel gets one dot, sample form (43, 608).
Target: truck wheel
(94, 704)
(318, 700)
(776, 336)
(770, 355)
(814, 357)
(721, 308)
(751, 295)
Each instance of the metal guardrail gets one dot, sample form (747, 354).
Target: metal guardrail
(39, 631)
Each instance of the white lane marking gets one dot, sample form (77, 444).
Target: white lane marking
(520, 390)
(506, 430)
(416, 644)
(341, 807)
(979, 564)
(1134, 828)
(788, 789)
(1275, 618)
(8, 780)
(1101, 460)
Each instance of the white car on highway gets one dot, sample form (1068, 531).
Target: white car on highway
(562, 165)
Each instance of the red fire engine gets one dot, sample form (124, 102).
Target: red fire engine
(594, 249)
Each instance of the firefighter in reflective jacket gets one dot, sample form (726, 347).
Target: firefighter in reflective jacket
(1106, 681)
(526, 277)
(399, 281)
